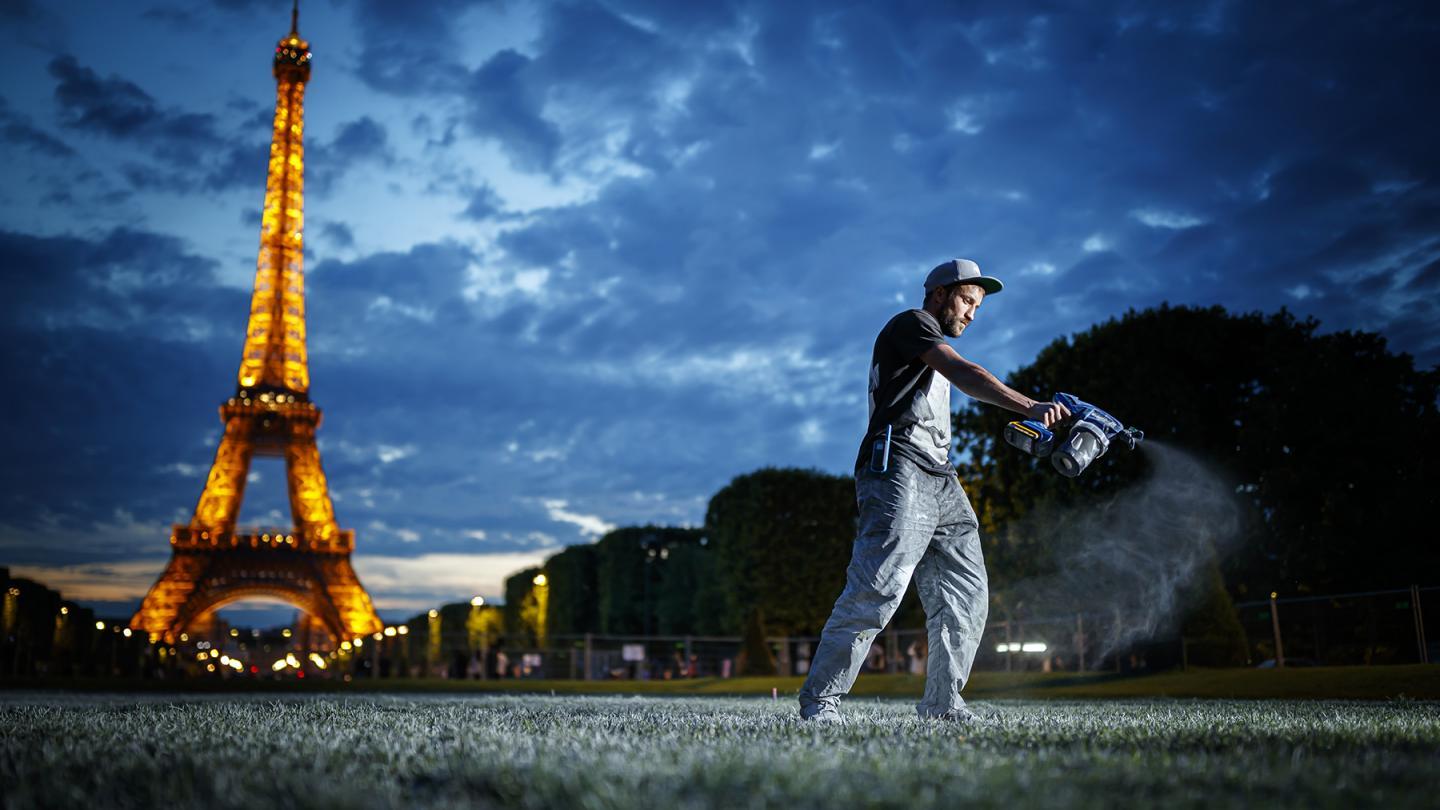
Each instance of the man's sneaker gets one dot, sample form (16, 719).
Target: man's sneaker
(822, 716)
(959, 714)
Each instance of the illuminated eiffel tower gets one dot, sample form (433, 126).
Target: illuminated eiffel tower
(213, 562)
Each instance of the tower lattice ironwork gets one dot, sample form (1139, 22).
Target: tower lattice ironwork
(213, 561)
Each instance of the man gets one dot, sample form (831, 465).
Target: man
(914, 517)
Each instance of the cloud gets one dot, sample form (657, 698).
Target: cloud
(418, 583)
(503, 104)
(100, 581)
(591, 525)
(118, 108)
(484, 204)
(17, 131)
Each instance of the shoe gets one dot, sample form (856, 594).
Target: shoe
(822, 716)
(959, 714)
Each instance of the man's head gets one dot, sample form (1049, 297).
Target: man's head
(953, 292)
(955, 306)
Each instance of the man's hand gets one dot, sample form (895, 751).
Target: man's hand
(1048, 413)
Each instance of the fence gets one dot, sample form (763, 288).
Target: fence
(1363, 628)
(1367, 627)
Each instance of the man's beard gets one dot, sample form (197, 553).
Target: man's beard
(953, 327)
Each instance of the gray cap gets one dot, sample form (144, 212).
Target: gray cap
(957, 270)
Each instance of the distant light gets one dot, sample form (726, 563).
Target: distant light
(344, 645)
(234, 633)
(359, 642)
(184, 636)
(126, 632)
(1273, 594)
(225, 659)
(404, 629)
(434, 613)
(476, 602)
(390, 631)
(64, 611)
(377, 635)
(1016, 646)
(540, 580)
(285, 632)
(278, 665)
(209, 667)
(99, 625)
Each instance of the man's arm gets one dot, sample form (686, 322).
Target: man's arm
(974, 381)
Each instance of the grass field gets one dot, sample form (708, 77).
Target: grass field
(374, 750)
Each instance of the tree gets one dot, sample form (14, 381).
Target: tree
(782, 540)
(524, 617)
(633, 566)
(572, 608)
(1326, 439)
(755, 656)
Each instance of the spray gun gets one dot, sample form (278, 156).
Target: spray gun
(1091, 432)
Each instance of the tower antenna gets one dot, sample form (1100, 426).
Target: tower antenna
(295, 17)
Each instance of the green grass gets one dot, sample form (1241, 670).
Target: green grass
(374, 750)
(1354, 683)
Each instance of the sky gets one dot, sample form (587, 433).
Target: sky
(576, 265)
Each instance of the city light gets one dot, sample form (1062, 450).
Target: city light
(404, 629)
(345, 645)
(540, 580)
(64, 611)
(125, 632)
(475, 602)
(434, 613)
(390, 632)
(317, 660)
(278, 665)
(359, 642)
(285, 632)
(99, 625)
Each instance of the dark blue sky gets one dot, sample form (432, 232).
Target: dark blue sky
(576, 265)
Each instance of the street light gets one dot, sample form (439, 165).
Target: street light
(477, 601)
(539, 580)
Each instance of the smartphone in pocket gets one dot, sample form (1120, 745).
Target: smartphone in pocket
(880, 452)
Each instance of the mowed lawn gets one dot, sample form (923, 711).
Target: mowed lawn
(376, 750)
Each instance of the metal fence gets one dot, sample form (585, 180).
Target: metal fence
(1366, 627)
(1363, 628)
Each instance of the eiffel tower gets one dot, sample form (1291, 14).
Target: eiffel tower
(213, 562)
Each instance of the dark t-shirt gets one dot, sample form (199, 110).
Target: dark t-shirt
(908, 395)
